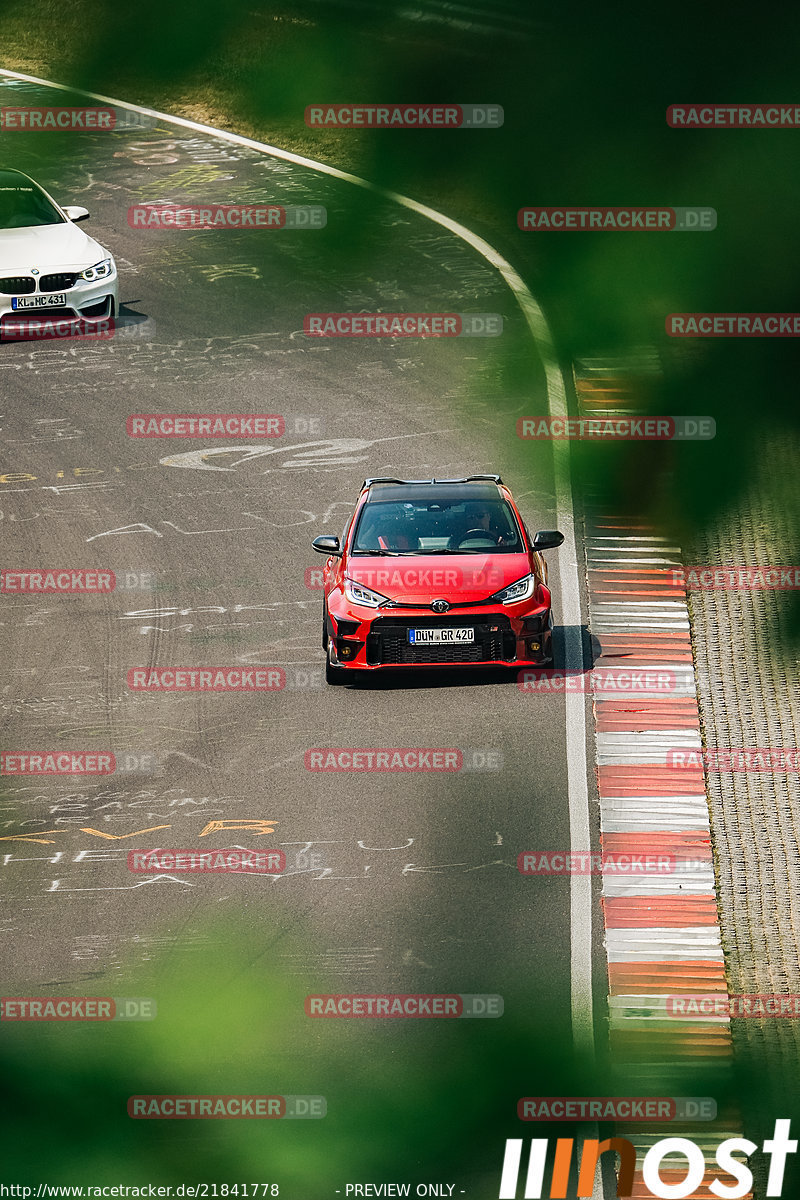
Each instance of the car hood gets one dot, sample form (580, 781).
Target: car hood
(48, 248)
(458, 578)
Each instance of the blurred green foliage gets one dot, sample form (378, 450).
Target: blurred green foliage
(419, 1100)
(585, 91)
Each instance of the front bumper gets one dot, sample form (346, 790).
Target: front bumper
(379, 640)
(86, 303)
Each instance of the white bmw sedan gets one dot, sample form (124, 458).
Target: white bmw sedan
(49, 268)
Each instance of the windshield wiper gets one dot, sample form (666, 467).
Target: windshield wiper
(381, 553)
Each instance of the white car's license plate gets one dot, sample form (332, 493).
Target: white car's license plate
(421, 637)
(54, 300)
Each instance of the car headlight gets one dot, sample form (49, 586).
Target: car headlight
(358, 594)
(100, 270)
(523, 589)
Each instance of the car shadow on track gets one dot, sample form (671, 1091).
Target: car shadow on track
(131, 323)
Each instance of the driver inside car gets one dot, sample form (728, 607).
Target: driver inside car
(481, 516)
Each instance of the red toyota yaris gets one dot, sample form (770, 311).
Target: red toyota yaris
(435, 573)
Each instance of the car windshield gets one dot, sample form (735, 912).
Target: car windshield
(462, 526)
(23, 204)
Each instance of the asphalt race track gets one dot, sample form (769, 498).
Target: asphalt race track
(403, 882)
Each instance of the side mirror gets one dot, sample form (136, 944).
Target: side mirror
(75, 212)
(547, 539)
(327, 545)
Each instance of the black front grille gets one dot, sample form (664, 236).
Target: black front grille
(388, 642)
(59, 282)
(17, 285)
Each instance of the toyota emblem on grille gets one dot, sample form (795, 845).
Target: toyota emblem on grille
(440, 606)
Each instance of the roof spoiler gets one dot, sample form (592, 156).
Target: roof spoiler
(467, 479)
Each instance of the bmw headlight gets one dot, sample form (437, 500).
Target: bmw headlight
(100, 270)
(523, 589)
(358, 594)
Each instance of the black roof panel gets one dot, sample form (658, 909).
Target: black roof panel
(426, 493)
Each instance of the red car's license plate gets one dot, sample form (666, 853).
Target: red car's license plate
(420, 637)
